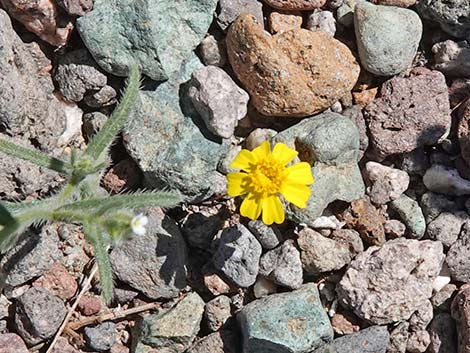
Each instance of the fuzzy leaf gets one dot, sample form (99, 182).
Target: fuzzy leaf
(103, 139)
(41, 159)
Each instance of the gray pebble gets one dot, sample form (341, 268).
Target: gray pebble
(446, 227)
(434, 204)
(101, 337)
(238, 255)
(322, 21)
(104, 97)
(231, 9)
(394, 228)
(213, 51)
(457, 257)
(217, 312)
(268, 236)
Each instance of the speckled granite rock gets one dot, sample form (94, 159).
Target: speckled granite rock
(317, 70)
(150, 34)
(170, 143)
(387, 284)
(387, 37)
(293, 322)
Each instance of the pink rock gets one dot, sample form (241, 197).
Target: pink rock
(89, 305)
(58, 281)
(42, 18)
(125, 175)
(63, 346)
(11, 343)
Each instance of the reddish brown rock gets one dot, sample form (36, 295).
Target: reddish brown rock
(364, 97)
(295, 73)
(217, 285)
(11, 343)
(42, 18)
(367, 220)
(301, 5)
(76, 7)
(125, 175)
(284, 21)
(399, 3)
(58, 281)
(345, 323)
(89, 305)
(460, 310)
(63, 346)
(411, 112)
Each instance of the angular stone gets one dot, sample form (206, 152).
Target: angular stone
(38, 315)
(460, 311)
(321, 254)
(268, 236)
(219, 101)
(170, 143)
(452, 58)
(293, 322)
(301, 5)
(155, 263)
(442, 299)
(383, 30)
(43, 18)
(387, 183)
(217, 312)
(317, 70)
(411, 112)
(387, 284)
(170, 331)
(373, 339)
(394, 228)
(150, 34)
(446, 227)
(282, 21)
(213, 51)
(452, 15)
(238, 255)
(411, 215)
(442, 334)
(283, 266)
(231, 9)
(457, 257)
(330, 143)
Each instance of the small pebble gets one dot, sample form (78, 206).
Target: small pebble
(387, 184)
(322, 21)
(411, 215)
(263, 287)
(217, 312)
(284, 21)
(101, 337)
(394, 228)
(268, 236)
(213, 51)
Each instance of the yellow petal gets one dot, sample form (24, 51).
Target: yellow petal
(297, 194)
(244, 160)
(262, 151)
(299, 173)
(283, 154)
(272, 210)
(237, 184)
(251, 206)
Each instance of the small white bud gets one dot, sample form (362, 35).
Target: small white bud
(138, 224)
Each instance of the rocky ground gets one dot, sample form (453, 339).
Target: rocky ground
(374, 95)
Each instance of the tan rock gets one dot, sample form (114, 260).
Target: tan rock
(282, 21)
(303, 5)
(42, 18)
(399, 3)
(58, 281)
(295, 73)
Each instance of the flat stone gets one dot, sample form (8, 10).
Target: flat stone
(42, 18)
(387, 184)
(32, 256)
(452, 15)
(446, 227)
(301, 5)
(154, 263)
(452, 58)
(386, 284)
(457, 257)
(173, 148)
(442, 334)
(460, 311)
(411, 112)
(383, 30)
(411, 215)
(159, 47)
(373, 339)
(238, 255)
(317, 70)
(446, 180)
(38, 315)
(330, 143)
(170, 331)
(283, 266)
(231, 9)
(321, 254)
(219, 101)
(293, 322)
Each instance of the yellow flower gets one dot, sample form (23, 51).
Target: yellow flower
(264, 176)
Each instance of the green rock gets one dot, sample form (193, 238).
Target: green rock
(169, 141)
(411, 214)
(330, 143)
(171, 331)
(157, 35)
(387, 37)
(293, 322)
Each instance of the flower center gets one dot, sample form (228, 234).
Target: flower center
(267, 176)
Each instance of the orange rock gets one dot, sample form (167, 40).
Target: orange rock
(364, 97)
(281, 21)
(295, 73)
(296, 4)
